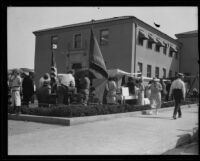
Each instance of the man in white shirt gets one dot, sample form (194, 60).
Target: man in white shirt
(16, 85)
(177, 90)
(66, 88)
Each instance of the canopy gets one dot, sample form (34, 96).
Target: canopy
(120, 73)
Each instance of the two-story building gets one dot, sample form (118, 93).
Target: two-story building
(126, 42)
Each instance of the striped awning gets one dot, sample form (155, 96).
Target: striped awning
(143, 35)
(160, 42)
(152, 39)
(173, 48)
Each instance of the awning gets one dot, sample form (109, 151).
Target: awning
(160, 43)
(172, 48)
(152, 39)
(143, 35)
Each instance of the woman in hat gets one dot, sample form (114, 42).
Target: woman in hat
(155, 97)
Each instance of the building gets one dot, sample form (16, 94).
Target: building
(126, 43)
(189, 54)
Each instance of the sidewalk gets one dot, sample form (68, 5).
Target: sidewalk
(138, 134)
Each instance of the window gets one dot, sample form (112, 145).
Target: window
(104, 35)
(54, 42)
(149, 44)
(148, 70)
(157, 48)
(170, 53)
(140, 67)
(165, 49)
(170, 74)
(77, 41)
(140, 41)
(157, 72)
(164, 73)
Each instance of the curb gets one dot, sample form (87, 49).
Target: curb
(80, 120)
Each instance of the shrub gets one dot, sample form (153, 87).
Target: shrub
(90, 110)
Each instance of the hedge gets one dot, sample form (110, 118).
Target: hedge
(78, 110)
(90, 110)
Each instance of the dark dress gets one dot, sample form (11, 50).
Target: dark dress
(27, 89)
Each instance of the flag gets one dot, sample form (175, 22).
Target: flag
(157, 25)
(96, 60)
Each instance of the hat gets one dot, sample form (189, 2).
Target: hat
(155, 79)
(46, 76)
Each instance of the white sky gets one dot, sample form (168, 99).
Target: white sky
(22, 21)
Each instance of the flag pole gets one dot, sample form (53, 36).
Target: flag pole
(91, 36)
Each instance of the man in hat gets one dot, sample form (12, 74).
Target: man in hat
(177, 91)
(155, 97)
(15, 91)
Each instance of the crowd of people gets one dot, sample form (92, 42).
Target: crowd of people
(53, 89)
(21, 89)
(63, 91)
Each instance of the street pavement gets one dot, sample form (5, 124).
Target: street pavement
(134, 135)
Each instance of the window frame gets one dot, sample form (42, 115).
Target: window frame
(157, 48)
(75, 47)
(103, 42)
(149, 72)
(157, 74)
(139, 63)
(148, 46)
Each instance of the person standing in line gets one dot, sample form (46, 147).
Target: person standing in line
(27, 89)
(177, 91)
(141, 89)
(85, 88)
(16, 85)
(163, 92)
(131, 86)
(155, 97)
(111, 89)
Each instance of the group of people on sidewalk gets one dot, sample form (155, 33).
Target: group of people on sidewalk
(52, 85)
(157, 91)
(21, 88)
(63, 90)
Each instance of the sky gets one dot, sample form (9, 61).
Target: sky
(22, 21)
